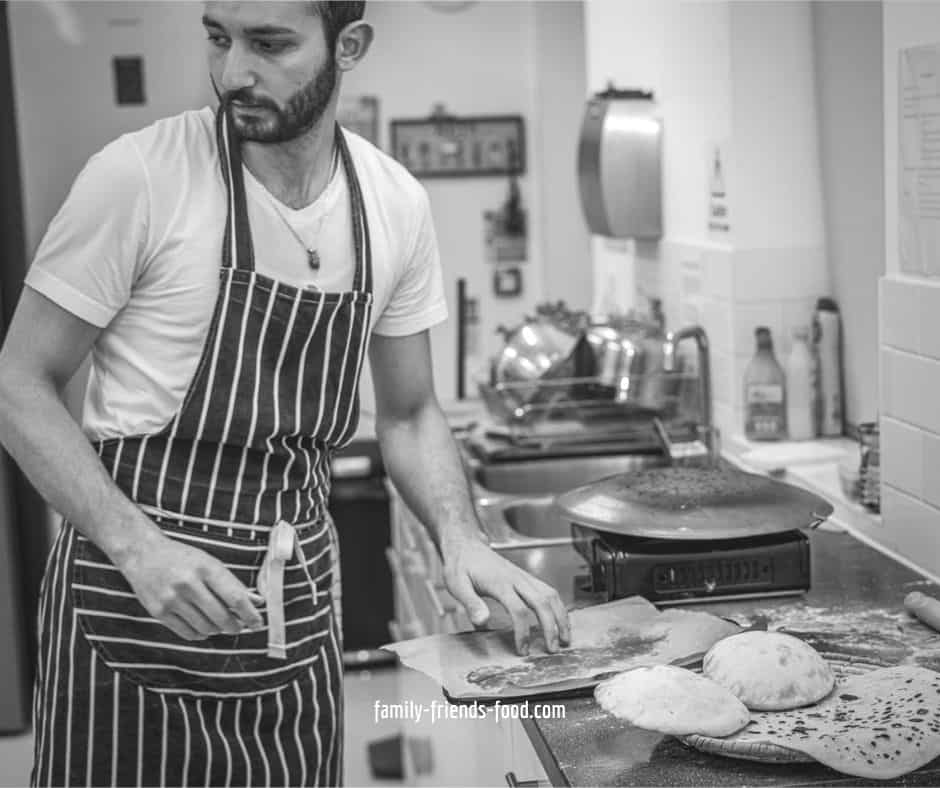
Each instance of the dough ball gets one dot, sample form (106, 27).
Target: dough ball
(672, 700)
(769, 671)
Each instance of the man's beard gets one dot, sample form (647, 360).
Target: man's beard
(275, 124)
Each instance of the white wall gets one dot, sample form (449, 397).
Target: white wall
(910, 336)
(848, 44)
(64, 91)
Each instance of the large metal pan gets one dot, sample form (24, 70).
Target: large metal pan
(689, 502)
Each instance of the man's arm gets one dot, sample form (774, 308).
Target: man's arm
(423, 462)
(185, 588)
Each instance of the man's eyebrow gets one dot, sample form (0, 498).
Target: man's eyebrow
(260, 30)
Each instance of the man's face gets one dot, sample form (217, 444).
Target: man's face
(272, 61)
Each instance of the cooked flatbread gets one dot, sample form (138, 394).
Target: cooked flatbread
(769, 671)
(672, 700)
(878, 725)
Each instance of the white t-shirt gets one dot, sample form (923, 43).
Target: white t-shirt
(136, 249)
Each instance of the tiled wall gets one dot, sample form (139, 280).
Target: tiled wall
(910, 418)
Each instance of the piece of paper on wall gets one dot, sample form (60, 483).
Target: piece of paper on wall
(919, 160)
(504, 244)
(719, 222)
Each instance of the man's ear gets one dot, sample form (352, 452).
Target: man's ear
(352, 44)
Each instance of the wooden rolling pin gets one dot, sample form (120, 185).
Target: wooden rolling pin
(926, 608)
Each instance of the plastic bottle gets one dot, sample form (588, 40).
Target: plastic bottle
(765, 407)
(828, 341)
(801, 388)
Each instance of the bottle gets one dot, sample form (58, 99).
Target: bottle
(828, 341)
(765, 407)
(801, 388)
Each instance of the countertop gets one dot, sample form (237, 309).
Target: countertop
(855, 589)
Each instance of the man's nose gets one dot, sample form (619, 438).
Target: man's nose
(237, 72)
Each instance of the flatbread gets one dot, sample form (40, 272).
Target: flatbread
(672, 700)
(879, 725)
(769, 671)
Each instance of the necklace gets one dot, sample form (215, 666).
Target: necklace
(313, 257)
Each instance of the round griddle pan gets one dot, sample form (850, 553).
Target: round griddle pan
(689, 502)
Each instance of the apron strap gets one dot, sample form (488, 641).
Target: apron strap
(360, 224)
(237, 247)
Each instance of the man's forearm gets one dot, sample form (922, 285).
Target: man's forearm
(423, 462)
(50, 448)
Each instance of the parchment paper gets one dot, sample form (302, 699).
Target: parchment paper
(605, 639)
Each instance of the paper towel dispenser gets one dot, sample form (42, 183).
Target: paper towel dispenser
(619, 165)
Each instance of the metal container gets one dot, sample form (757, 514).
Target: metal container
(619, 165)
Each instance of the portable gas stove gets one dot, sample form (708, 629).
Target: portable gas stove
(679, 535)
(682, 571)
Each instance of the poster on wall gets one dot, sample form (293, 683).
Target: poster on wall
(919, 160)
(360, 114)
(719, 223)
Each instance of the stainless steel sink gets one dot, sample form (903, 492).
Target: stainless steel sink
(512, 522)
(556, 475)
(536, 519)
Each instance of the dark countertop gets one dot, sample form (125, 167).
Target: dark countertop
(854, 607)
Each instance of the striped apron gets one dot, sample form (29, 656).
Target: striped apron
(120, 699)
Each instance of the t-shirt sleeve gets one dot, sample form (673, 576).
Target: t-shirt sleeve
(95, 246)
(417, 302)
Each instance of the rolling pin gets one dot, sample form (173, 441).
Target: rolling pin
(926, 608)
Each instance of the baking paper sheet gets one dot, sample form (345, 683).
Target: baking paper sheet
(605, 639)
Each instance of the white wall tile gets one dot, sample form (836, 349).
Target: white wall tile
(792, 273)
(718, 273)
(909, 388)
(914, 527)
(929, 315)
(722, 368)
(900, 311)
(902, 456)
(718, 325)
(931, 468)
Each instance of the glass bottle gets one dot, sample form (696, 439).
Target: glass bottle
(765, 407)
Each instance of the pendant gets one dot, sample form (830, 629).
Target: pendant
(313, 259)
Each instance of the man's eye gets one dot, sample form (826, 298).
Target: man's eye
(218, 40)
(270, 47)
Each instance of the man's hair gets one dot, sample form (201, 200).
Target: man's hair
(336, 15)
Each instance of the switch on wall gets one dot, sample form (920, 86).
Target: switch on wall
(129, 80)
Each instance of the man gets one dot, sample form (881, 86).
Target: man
(226, 272)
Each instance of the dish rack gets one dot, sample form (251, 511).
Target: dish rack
(585, 410)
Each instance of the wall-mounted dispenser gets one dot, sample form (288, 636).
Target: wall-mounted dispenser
(619, 165)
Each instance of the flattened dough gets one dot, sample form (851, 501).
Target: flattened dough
(769, 671)
(879, 725)
(672, 700)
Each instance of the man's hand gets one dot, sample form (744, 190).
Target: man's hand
(472, 569)
(188, 590)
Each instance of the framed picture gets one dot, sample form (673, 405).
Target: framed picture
(448, 146)
(360, 114)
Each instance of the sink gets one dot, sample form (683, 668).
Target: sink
(536, 519)
(556, 475)
(515, 521)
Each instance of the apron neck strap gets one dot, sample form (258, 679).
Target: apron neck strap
(237, 246)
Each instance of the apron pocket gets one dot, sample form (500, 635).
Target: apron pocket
(130, 641)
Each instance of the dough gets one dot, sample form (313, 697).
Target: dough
(672, 700)
(879, 725)
(769, 671)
